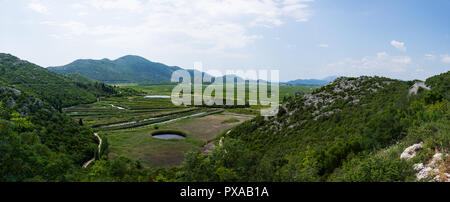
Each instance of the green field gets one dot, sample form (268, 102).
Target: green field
(138, 144)
(285, 90)
(128, 123)
(108, 111)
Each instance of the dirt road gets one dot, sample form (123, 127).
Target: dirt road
(99, 148)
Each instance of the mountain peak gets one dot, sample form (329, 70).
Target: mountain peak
(11, 60)
(129, 68)
(132, 58)
(8, 57)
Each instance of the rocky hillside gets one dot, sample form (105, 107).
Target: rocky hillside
(353, 129)
(55, 89)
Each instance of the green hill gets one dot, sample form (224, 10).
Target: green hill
(79, 78)
(58, 90)
(127, 69)
(37, 143)
(440, 84)
(353, 129)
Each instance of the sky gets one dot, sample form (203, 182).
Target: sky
(401, 39)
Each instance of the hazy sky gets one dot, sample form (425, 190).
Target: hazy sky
(404, 39)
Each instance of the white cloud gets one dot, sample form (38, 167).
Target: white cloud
(76, 28)
(445, 58)
(382, 55)
(37, 7)
(200, 25)
(402, 60)
(82, 13)
(323, 45)
(131, 5)
(78, 6)
(429, 56)
(381, 64)
(399, 45)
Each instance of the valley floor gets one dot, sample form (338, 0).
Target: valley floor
(138, 144)
(128, 123)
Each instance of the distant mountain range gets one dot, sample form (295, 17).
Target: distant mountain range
(136, 69)
(127, 69)
(313, 82)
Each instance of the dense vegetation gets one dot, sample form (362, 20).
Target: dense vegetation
(57, 90)
(38, 143)
(351, 130)
(127, 69)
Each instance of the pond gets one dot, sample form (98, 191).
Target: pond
(158, 96)
(169, 137)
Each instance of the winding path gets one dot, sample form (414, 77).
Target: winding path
(99, 148)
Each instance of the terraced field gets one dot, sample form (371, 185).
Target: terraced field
(157, 89)
(127, 123)
(112, 112)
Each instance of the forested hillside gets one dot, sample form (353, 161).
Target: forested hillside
(353, 129)
(79, 78)
(55, 89)
(127, 69)
(37, 143)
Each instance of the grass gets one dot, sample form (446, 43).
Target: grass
(208, 127)
(137, 108)
(138, 144)
(152, 89)
(231, 120)
(106, 112)
(131, 140)
(285, 90)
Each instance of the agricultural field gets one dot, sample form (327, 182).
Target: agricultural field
(108, 112)
(166, 89)
(129, 123)
(156, 89)
(139, 144)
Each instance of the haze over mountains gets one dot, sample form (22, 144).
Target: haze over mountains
(136, 69)
(313, 82)
(127, 69)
